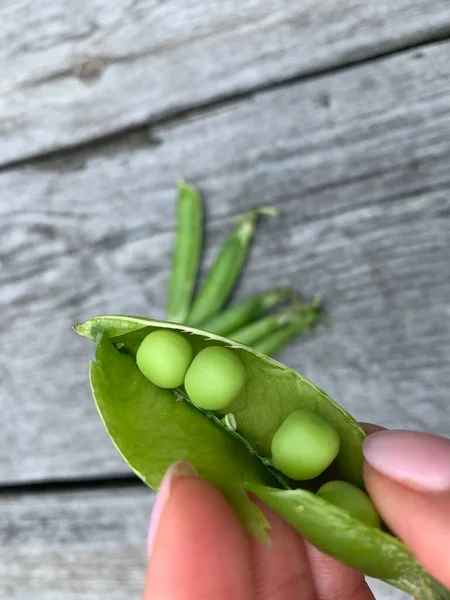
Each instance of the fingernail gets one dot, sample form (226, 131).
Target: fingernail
(417, 460)
(176, 471)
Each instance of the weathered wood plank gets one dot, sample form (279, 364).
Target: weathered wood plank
(82, 545)
(72, 72)
(89, 545)
(357, 162)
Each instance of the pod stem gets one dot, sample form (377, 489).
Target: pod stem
(249, 219)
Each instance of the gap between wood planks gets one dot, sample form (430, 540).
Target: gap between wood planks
(442, 35)
(72, 485)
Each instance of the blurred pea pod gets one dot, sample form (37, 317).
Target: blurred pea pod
(269, 334)
(251, 333)
(241, 313)
(153, 427)
(303, 321)
(223, 275)
(187, 253)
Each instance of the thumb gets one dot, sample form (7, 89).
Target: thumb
(407, 475)
(197, 546)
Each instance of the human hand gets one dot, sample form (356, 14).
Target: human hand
(199, 550)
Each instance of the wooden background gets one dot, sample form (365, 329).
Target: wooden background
(337, 112)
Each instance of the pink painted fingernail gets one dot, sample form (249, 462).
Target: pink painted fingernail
(176, 471)
(417, 460)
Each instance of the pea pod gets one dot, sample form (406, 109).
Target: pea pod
(187, 253)
(275, 340)
(253, 332)
(367, 549)
(241, 313)
(225, 271)
(152, 427)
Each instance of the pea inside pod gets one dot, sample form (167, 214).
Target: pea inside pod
(305, 445)
(215, 378)
(164, 357)
(350, 498)
(152, 427)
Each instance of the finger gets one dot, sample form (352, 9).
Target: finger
(281, 572)
(197, 546)
(408, 477)
(334, 580)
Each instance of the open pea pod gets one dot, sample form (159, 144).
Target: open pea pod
(152, 428)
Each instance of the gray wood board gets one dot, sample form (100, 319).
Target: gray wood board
(74, 545)
(75, 71)
(357, 163)
(82, 545)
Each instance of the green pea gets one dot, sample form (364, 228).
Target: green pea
(304, 445)
(351, 499)
(215, 378)
(164, 357)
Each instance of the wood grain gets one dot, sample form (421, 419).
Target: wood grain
(357, 163)
(82, 545)
(74, 545)
(73, 72)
